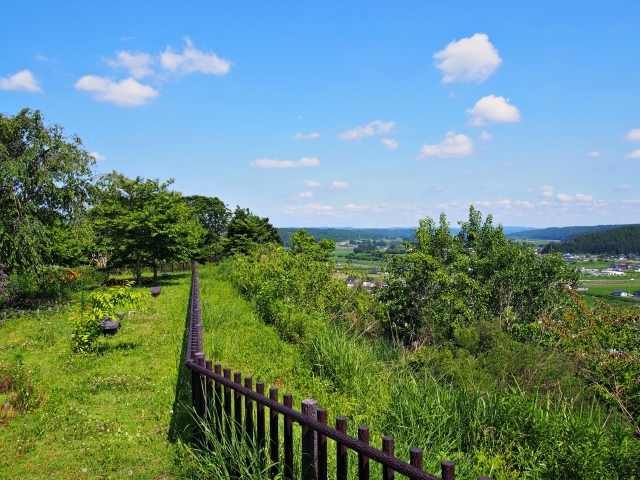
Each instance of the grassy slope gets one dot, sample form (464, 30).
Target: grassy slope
(106, 415)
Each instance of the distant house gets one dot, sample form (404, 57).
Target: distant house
(611, 273)
(368, 284)
(620, 293)
(375, 271)
(581, 288)
(351, 282)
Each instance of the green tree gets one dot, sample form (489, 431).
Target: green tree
(45, 179)
(245, 231)
(141, 222)
(304, 244)
(213, 215)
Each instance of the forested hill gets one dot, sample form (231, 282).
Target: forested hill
(561, 233)
(345, 234)
(615, 241)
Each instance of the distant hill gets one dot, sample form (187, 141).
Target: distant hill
(349, 233)
(561, 233)
(614, 241)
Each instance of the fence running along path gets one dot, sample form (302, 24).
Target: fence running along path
(215, 403)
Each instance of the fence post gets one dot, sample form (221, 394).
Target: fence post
(448, 470)
(260, 426)
(237, 378)
(309, 442)
(218, 401)
(248, 411)
(288, 439)
(227, 405)
(322, 446)
(363, 460)
(388, 447)
(273, 433)
(415, 457)
(341, 451)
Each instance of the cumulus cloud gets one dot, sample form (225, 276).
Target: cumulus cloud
(303, 136)
(126, 93)
(192, 60)
(272, 163)
(584, 198)
(595, 154)
(454, 145)
(138, 64)
(546, 191)
(376, 127)
(635, 154)
(492, 109)
(340, 185)
(633, 135)
(304, 195)
(471, 59)
(390, 143)
(486, 136)
(23, 80)
(310, 183)
(97, 156)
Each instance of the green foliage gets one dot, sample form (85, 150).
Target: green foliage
(614, 241)
(141, 222)
(213, 215)
(45, 178)
(100, 304)
(446, 281)
(605, 341)
(246, 232)
(560, 233)
(18, 389)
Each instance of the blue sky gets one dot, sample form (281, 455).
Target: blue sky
(348, 113)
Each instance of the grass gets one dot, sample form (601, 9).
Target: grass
(109, 414)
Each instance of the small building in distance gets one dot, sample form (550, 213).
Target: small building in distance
(620, 293)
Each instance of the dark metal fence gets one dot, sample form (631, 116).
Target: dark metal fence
(218, 400)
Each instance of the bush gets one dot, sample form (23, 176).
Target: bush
(10, 292)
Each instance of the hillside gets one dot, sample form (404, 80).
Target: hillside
(616, 241)
(560, 233)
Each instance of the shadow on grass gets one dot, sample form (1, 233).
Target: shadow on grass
(104, 348)
(181, 419)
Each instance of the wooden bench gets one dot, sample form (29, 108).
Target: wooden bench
(155, 291)
(110, 326)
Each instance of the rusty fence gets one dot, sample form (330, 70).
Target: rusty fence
(235, 410)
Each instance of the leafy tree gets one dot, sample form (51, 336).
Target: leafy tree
(446, 282)
(213, 215)
(141, 222)
(304, 244)
(45, 179)
(245, 231)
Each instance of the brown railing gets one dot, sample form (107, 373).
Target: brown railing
(215, 404)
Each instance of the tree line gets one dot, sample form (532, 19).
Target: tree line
(57, 211)
(615, 241)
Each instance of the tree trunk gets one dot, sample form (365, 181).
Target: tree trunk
(139, 272)
(155, 273)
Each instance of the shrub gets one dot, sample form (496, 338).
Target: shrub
(10, 292)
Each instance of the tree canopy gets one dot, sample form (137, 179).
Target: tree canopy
(245, 231)
(614, 241)
(45, 179)
(141, 222)
(213, 215)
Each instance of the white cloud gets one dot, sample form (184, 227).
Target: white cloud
(310, 183)
(454, 145)
(546, 191)
(97, 156)
(486, 136)
(304, 195)
(303, 136)
(595, 154)
(23, 80)
(584, 198)
(633, 135)
(138, 64)
(468, 60)
(564, 198)
(376, 127)
(126, 93)
(492, 109)
(390, 143)
(625, 186)
(192, 60)
(271, 163)
(340, 185)
(634, 154)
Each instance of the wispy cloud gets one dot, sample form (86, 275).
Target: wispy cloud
(633, 135)
(471, 59)
(377, 127)
(97, 156)
(486, 136)
(192, 60)
(308, 136)
(633, 155)
(310, 183)
(595, 154)
(302, 195)
(138, 64)
(340, 185)
(126, 93)
(272, 163)
(390, 143)
(454, 145)
(492, 109)
(23, 80)
(625, 186)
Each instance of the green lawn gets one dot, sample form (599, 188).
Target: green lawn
(103, 415)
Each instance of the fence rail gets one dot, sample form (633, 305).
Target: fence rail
(218, 400)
